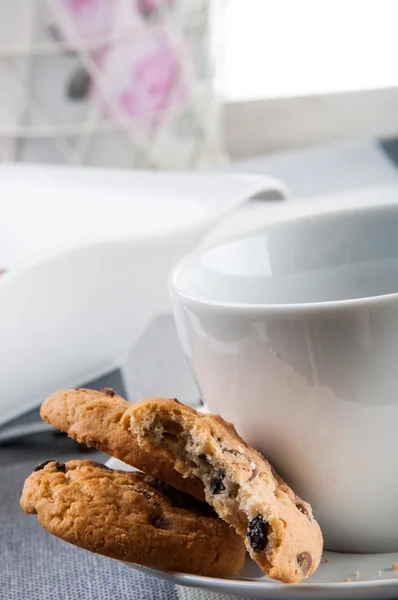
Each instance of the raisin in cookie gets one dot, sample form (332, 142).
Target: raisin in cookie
(279, 529)
(93, 418)
(131, 517)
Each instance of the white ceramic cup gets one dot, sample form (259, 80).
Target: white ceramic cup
(292, 334)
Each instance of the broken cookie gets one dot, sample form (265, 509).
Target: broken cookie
(279, 529)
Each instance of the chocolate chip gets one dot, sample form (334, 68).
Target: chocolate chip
(161, 522)
(108, 391)
(257, 532)
(217, 486)
(304, 561)
(303, 510)
(60, 466)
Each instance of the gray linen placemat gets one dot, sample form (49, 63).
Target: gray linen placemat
(38, 566)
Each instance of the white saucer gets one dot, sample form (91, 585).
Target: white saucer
(327, 583)
(371, 575)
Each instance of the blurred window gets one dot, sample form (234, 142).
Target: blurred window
(279, 48)
(303, 72)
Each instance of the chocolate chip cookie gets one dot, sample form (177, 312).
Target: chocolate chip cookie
(279, 529)
(131, 517)
(93, 418)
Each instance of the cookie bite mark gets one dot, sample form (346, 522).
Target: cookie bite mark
(279, 530)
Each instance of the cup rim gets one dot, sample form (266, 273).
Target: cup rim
(193, 258)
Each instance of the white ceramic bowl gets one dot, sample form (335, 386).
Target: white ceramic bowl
(87, 253)
(292, 334)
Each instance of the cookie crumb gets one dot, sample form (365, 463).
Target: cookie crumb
(325, 560)
(348, 580)
(394, 566)
(380, 572)
(357, 574)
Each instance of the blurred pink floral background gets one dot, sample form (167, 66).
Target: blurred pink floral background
(111, 83)
(146, 63)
